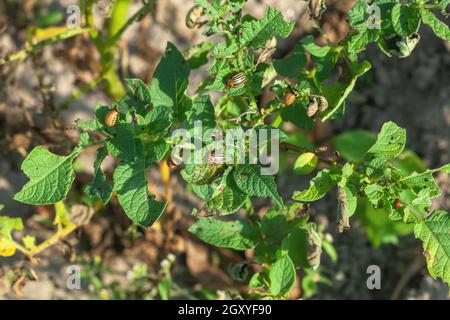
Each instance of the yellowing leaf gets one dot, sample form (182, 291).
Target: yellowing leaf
(7, 248)
(305, 163)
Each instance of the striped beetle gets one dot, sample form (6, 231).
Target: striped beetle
(237, 80)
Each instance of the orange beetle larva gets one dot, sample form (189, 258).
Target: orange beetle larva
(111, 117)
(237, 80)
(397, 203)
(289, 98)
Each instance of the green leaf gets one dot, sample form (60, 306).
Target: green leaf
(359, 16)
(379, 227)
(324, 66)
(296, 114)
(422, 181)
(250, 181)
(225, 198)
(391, 141)
(226, 201)
(202, 173)
(197, 55)
(29, 242)
(255, 33)
(256, 281)
(226, 234)
(339, 91)
(202, 110)
(170, 79)
(374, 193)
(140, 92)
(155, 150)
(305, 163)
(443, 4)
(204, 191)
(164, 288)
(158, 121)
(51, 177)
(8, 225)
(296, 245)
(100, 187)
(293, 65)
(123, 144)
(314, 49)
(405, 19)
(434, 232)
(353, 145)
(318, 186)
(276, 221)
(408, 162)
(439, 27)
(131, 188)
(282, 276)
(62, 215)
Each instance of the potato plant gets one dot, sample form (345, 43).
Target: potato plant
(138, 128)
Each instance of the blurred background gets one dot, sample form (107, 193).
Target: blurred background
(44, 91)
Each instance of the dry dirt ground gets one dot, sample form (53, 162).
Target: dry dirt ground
(413, 92)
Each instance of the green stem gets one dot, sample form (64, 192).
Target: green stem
(22, 54)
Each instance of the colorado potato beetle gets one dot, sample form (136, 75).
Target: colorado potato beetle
(289, 98)
(193, 16)
(111, 117)
(237, 80)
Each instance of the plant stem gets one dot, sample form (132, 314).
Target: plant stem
(22, 54)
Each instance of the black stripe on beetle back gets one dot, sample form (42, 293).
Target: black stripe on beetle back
(239, 78)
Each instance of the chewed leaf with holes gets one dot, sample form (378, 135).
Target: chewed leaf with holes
(434, 232)
(100, 187)
(391, 141)
(226, 234)
(51, 177)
